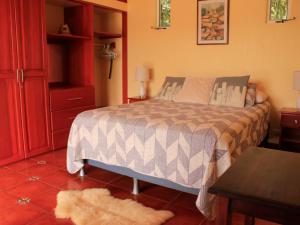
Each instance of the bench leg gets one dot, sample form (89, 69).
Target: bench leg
(229, 213)
(135, 189)
(224, 215)
(249, 220)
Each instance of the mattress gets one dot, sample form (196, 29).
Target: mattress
(189, 144)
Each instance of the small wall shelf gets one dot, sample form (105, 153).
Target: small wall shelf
(52, 37)
(106, 35)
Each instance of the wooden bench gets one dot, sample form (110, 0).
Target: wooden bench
(263, 183)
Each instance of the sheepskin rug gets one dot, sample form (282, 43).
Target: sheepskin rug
(98, 207)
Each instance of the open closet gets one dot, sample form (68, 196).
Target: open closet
(50, 72)
(85, 62)
(108, 56)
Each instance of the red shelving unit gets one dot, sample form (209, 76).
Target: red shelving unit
(106, 35)
(51, 37)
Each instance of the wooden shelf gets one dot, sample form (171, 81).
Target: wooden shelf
(51, 37)
(107, 35)
(62, 86)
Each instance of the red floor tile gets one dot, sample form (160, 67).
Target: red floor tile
(11, 180)
(61, 164)
(49, 219)
(4, 171)
(46, 200)
(102, 175)
(141, 198)
(119, 193)
(59, 178)
(125, 183)
(20, 214)
(30, 189)
(82, 183)
(22, 165)
(187, 201)
(60, 153)
(7, 201)
(149, 201)
(184, 216)
(160, 192)
(55, 157)
(40, 170)
(166, 194)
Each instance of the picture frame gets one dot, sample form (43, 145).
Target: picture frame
(213, 22)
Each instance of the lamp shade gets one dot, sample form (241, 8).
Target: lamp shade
(142, 74)
(297, 80)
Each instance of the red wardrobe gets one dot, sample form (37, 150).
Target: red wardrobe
(24, 107)
(46, 78)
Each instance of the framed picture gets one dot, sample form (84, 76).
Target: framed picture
(213, 22)
(279, 10)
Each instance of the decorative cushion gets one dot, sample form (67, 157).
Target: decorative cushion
(170, 88)
(251, 95)
(261, 97)
(195, 90)
(230, 91)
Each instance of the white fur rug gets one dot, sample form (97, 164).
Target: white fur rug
(98, 207)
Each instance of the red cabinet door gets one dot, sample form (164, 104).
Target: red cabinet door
(36, 116)
(31, 30)
(11, 142)
(34, 90)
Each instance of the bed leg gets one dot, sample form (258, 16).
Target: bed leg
(135, 190)
(82, 172)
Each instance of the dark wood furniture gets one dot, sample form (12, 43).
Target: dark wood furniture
(264, 184)
(136, 99)
(290, 129)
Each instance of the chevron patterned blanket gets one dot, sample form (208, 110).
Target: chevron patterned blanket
(188, 144)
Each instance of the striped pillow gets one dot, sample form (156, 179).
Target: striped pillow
(170, 88)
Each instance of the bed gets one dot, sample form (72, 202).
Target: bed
(178, 145)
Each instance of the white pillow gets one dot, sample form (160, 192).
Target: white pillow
(195, 90)
(261, 97)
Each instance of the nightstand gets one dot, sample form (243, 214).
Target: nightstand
(290, 129)
(136, 99)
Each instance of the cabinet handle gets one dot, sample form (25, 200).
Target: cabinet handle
(18, 76)
(22, 76)
(74, 99)
(296, 121)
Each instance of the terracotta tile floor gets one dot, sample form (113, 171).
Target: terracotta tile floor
(39, 179)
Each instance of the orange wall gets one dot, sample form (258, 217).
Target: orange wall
(110, 3)
(269, 52)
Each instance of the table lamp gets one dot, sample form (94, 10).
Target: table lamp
(297, 85)
(142, 75)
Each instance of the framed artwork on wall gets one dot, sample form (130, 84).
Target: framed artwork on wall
(279, 11)
(213, 22)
